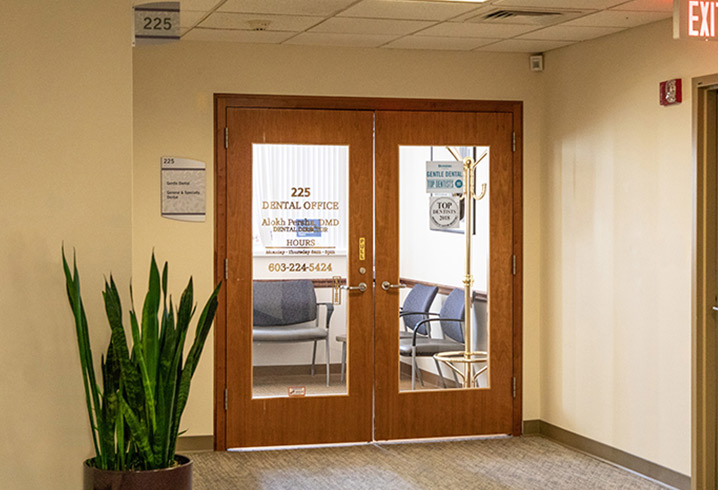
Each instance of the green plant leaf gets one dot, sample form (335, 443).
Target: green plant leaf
(203, 326)
(140, 434)
(150, 325)
(131, 379)
(74, 296)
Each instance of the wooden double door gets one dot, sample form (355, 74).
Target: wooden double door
(332, 195)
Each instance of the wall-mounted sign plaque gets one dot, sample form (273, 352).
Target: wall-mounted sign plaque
(183, 189)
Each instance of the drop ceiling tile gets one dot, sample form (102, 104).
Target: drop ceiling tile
(523, 46)
(290, 23)
(250, 37)
(203, 5)
(647, 6)
(570, 33)
(288, 7)
(188, 18)
(408, 10)
(336, 39)
(442, 43)
(470, 29)
(558, 4)
(348, 25)
(615, 18)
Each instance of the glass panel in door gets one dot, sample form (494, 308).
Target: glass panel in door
(433, 217)
(300, 229)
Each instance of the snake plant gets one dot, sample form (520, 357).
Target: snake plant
(135, 411)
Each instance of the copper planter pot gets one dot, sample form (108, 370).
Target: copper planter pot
(176, 478)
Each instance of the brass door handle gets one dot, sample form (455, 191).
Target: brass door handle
(386, 286)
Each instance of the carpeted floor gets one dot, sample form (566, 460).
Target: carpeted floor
(520, 463)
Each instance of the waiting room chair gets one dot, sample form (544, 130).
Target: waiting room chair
(421, 344)
(414, 309)
(286, 311)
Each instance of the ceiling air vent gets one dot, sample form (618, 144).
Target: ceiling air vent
(512, 14)
(526, 16)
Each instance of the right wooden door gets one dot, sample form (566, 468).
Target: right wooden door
(417, 396)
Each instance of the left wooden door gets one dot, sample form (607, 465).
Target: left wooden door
(278, 237)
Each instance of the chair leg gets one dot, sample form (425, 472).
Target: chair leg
(344, 359)
(314, 356)
(441, 374)
(327, 357)
(413, 368)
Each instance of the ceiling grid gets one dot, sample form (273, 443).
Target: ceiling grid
(524, 26)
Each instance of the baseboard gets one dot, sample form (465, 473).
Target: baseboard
(195, 443)
(607, 453)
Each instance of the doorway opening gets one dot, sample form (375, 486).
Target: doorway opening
(705, 285)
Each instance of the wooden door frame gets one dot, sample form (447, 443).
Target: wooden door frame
(224, 101)
(704, 369)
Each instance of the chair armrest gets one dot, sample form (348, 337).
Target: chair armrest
(428, 313)
(428, 325)
(330, 312)
(403, 313)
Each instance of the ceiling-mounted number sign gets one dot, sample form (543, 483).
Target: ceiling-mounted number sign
(157, 22)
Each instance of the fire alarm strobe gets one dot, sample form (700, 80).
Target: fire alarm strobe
(671, 92)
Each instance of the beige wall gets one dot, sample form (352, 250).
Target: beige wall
(65, 155)
(173, 90)
(616, 248)
(608, 190)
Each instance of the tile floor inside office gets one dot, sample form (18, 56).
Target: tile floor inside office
(505, 463)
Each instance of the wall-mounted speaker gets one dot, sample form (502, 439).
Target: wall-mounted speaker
(536, 62)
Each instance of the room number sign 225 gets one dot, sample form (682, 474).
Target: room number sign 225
(157, 23)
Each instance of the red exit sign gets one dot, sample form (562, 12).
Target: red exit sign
(695, 19)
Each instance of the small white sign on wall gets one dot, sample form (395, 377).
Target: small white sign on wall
(184, 194)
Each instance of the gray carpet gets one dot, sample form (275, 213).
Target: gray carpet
(529, 462)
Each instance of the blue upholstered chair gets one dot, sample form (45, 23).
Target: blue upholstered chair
(421, 344)
(286, 311)
(416, 308)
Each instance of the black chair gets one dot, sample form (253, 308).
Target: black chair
(421, 344)
(286, 311)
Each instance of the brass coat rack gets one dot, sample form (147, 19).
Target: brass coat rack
(462, 362)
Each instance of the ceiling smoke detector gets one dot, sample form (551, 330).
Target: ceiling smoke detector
(259, 25)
